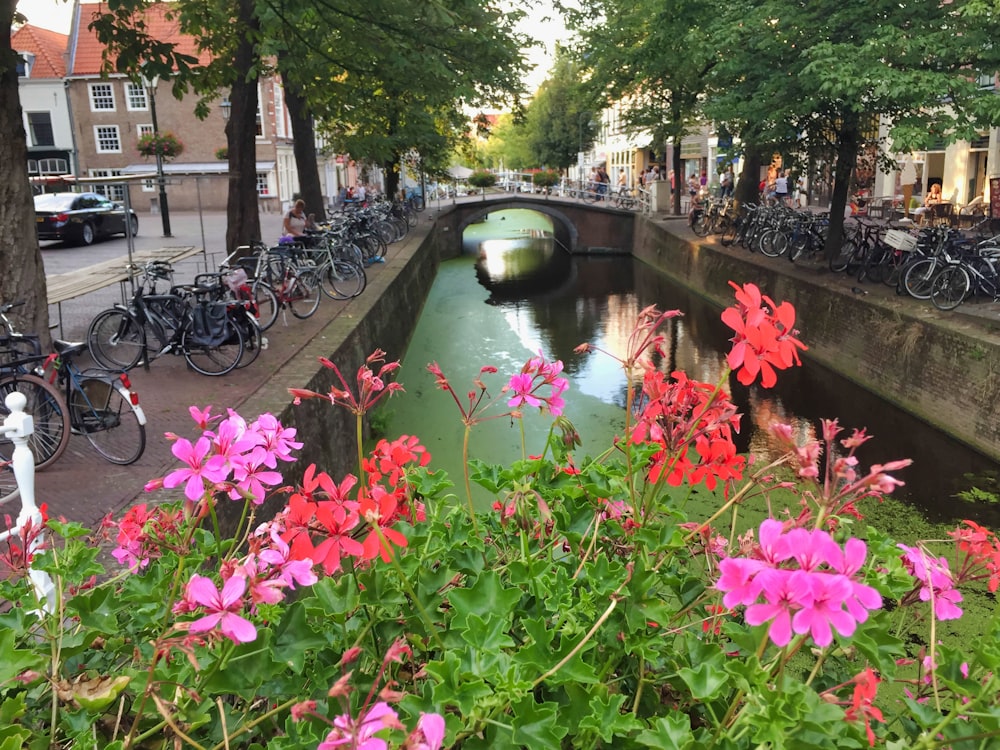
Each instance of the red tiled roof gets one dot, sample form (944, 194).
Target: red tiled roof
(87, 55)
(48, 47)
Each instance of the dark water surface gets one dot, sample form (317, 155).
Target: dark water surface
(514, 295)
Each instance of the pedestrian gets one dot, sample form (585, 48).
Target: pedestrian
(781, 188)
(694, 185)
(622, 181)
(294, 224)
(603, 181)
(726, 183)
(703, 180)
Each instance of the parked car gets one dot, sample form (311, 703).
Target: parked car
(80, 218)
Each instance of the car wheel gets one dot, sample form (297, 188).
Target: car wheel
(135, 225)
(87, 234)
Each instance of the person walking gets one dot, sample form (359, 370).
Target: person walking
(781, 188)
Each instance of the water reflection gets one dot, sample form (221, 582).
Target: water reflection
(597, 300)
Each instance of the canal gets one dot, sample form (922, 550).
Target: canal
(514, 294)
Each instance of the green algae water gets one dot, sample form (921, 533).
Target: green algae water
(514, 294)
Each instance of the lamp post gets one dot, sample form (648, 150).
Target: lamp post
(150, 84)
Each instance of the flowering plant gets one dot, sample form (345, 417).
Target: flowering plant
(165, 145)
(586, 609)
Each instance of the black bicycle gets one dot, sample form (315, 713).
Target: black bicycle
(185, 321)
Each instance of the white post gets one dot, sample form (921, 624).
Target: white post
(19, 426)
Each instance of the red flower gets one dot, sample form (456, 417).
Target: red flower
(865, 687)
(380, 510)
(765, 336)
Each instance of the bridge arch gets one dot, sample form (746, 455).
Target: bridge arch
(564, 229)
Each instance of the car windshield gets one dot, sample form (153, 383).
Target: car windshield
(54, 201)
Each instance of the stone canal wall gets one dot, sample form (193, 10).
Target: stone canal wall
(941, 367)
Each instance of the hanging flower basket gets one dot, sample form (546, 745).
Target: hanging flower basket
(164, 145)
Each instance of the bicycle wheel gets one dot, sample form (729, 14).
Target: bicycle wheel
(49, 413)
(950, 287)
(701, 224)
(844, 259)
(213, 360)
(108, 420)
(116, 340)
(267, 304)
(918, 277)
(253, 337)
(773, 243)
(303, 294)
(343, 280)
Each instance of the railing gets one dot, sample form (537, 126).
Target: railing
(19, 426)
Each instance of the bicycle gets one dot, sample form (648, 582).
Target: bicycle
(973, 274)
(280, 278)
(102, 405)
(20, 355)
(624, 199)
(179, 323)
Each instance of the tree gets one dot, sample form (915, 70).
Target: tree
(560, 118)
(651, 59)
(508, 145)
(811, 78)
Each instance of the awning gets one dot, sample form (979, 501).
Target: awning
(458, 172)
(193, 168)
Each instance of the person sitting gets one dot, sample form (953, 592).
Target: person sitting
(933, 198)
(294, 224)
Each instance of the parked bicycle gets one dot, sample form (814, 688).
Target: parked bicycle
(182, 322)
(102, 405)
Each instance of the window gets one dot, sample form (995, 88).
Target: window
(40, 129)
(25, 62)
(32, 166)
(102, 97)
(279, 111)
(149, 186)
(107, 139)
(260, 121)
(53, 166)
(111, 192)
(262, 188)
(135, 97)
(144, 130)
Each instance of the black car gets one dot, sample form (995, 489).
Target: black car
(80, 218)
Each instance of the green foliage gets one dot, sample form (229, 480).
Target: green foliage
(482, 179)
(546, 178)
(585, 611)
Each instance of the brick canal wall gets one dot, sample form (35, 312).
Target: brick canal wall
(943, 368)
(934, 365)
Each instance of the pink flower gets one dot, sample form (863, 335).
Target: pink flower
(784, 591)
(359, 734)
(221, 606)
(428, 734)
(199, 471)
(935, 582)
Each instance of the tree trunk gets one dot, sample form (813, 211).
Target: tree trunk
(242, 212)
(23, 275)
(847, 157)
(748, 186)
(679, 183)
(304, 133)
(391, 171)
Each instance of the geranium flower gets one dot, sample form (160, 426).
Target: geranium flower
(222, 607)
(765, 336)
(201, 469)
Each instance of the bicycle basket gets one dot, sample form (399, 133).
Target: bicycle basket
(209, 324)
(900, 240)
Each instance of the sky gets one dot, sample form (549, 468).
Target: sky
(542, 23)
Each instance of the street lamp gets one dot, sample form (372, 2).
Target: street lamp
(150, 84)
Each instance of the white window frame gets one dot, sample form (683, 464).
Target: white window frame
(279, 111)
(149, 186)
(112, 192)
(97, 139)
(136, 97)
(263, 185)
(102, 93)
(261, 133)
(144, 129)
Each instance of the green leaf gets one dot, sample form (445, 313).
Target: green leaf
(704, 681)
(607, 719)
(487, 595)
(456, 687)
(14, 661)
(671, 732)
(294, 638)
(536, 725)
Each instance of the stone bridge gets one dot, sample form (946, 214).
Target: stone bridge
(578, 227)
